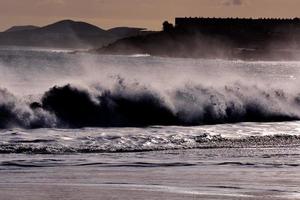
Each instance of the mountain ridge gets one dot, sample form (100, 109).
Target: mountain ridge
(21, 28)
(65, 34)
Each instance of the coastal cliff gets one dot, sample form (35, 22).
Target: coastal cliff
(231, 38)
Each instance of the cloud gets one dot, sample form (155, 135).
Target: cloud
(233, 2)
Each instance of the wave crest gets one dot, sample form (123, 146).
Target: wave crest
(16, 113)
(134, 105)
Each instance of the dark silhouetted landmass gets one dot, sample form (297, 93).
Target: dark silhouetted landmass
(64, 34)
(21, 28)
(217, 38)
(123, 32)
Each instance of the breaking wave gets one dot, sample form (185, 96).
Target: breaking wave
(17, 113)
(111, 143)
(136, 105)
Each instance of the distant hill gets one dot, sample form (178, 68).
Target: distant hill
(21, 28)
(124, 32)
(72, 27)
(64, 34)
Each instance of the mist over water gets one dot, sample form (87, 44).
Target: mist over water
(58, 89)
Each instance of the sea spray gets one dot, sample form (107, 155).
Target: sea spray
(132, 105)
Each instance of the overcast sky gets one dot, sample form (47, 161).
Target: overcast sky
(139, 13)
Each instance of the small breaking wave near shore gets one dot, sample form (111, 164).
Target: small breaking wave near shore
(156, 138)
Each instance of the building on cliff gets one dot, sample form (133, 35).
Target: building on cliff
(240, 25)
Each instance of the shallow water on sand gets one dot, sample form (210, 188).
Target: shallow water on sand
(240, 161)
(222, 173)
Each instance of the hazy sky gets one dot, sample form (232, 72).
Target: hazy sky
(141, 13)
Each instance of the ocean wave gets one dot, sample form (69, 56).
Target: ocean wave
(142, 143)
(135, 105)
(17, 113)
(60, 163)
(139, 55)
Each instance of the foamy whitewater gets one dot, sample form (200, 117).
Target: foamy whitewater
(83, 126)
